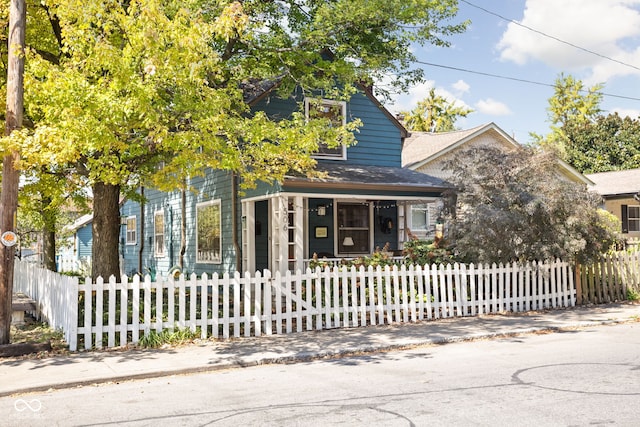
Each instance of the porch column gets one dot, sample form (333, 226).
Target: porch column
(298, 232)
(248, 236)
(279, 234)
(402, 224)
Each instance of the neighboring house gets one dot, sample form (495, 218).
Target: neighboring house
(428, 152)
(79, 246)
(361, 204)
(621, 193)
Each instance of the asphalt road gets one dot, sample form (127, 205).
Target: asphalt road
(588, 377)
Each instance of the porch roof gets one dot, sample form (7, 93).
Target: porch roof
(340, 175)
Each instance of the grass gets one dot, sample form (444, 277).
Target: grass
(167, 337)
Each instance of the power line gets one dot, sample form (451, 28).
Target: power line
(551, 37)
(498, 76)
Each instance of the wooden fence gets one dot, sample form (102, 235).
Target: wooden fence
(614, 278)
(108, 314)
(56, 296)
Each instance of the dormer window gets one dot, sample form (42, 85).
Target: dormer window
(336, 112)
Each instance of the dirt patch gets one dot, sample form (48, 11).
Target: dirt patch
(38, 335)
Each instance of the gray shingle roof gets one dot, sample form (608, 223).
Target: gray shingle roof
(372, 176)
(616, 182)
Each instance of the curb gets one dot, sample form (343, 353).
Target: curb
(308, 357)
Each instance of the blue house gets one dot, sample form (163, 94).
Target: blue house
(363, 202)
(79, 245)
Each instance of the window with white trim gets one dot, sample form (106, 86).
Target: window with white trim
(420, 222)
(336, 112)
(354, 228)
(131, 230)
(209, 232)
(158, 233)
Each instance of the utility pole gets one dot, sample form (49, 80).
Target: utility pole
(10, 174)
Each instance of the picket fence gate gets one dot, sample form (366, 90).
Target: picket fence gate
(112, 313)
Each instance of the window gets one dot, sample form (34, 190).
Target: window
(354, 231)
(634, 218)
(158, 233)
(209, 232)
(336, 112)
(420, 222)
(131, 230)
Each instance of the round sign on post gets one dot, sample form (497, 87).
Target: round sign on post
(9, 238)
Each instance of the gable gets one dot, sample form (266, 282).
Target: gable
(379, 139)
(427, 152)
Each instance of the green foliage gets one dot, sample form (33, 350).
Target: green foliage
(517, 206)
(571, 102)
(170, 337)
(434, 114)
(109, 93)
(119, 94)
(380, 257)
(605, 144)
(422, 252)
(633, 294)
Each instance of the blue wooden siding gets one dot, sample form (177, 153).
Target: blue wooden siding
(130, 252)
(215, 185)
(379, 140)
(85, 241)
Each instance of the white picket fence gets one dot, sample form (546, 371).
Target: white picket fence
(56, 296)
(108, 314)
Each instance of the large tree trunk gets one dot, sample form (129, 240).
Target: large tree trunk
(106, 231)
(10, 175)
(49, 235)
(49, 249)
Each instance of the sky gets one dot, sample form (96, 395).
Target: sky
(595, 41)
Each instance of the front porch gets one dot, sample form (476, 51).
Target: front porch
(283, 231)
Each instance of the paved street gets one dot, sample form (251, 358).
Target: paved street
(582, 377)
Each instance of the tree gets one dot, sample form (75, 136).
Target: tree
(39, 201)
(132, 85)
(609, 143)
(10, 173)
(515, 206)
(435, 113)
(570, 103)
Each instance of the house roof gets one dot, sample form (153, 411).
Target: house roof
(616, 183)
(80, 222)
(423, 147)
(340, 175)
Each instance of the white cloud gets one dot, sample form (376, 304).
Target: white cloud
(609, 28)
(626, 112)
(408, 101)
(492, 107)
(461, 87)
